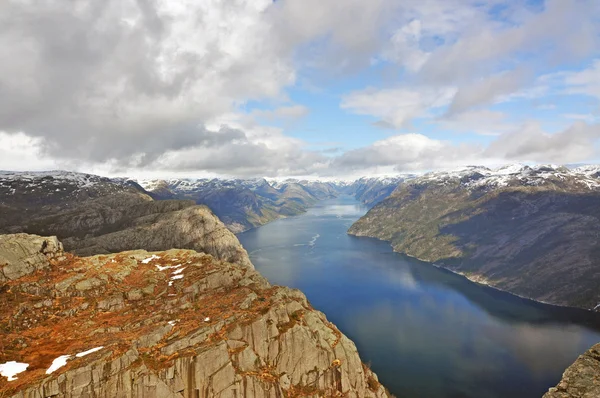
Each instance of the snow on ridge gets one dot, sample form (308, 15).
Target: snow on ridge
(52, 177)
(519, 174)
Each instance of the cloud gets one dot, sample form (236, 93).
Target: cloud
(484, 91)
(396, 107)
(417, 152)
(585, 82)
(125, 80)
(17, 150)
(571, 27)
(348, 33)
(575, 144)
(405, 152)
(164, 85)
(483, 122)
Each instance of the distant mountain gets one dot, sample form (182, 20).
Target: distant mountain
(242, 204)
(533, 231)
(78, 206)
(372, 190)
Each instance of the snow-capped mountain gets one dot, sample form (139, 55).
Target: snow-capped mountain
(478, 177)
(58, 187)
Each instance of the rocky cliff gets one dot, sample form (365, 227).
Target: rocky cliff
(175, 323)
(96, 215)
(582, 379)
(530, 231)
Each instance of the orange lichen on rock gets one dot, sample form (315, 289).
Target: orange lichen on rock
(178, 317)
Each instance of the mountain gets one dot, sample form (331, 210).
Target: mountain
(174, 323)
(372, 190)
(580, 380)
(241, 204)
(368, 190)
(98, 215)
(532, 231)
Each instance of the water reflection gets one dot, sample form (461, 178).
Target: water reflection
(426, 331)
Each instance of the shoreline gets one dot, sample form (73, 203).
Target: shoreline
(480, 282)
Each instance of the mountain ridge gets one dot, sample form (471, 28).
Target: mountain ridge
(528, 230)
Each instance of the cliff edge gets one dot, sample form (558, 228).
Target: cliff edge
(175, 323)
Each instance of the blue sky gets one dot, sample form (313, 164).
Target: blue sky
(298, 88)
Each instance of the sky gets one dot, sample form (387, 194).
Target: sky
(318, 88)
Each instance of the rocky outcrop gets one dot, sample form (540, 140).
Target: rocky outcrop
(192, 227)
(23, 254)
(582, 379)
(176, 323)
(530, 231)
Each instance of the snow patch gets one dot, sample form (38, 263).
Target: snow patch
(84, 353)
(152, 257)
(12, 368)
(175, 277)
(161, 268)
(62, 360)
(58, 363)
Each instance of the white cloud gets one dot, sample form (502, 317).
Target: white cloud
(125, 85)
(406, 152)
(485, 90)
(397, 107)
(21, 152)
(483, 122)
(586, 81)
(531, 143)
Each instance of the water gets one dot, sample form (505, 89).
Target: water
(425, 331)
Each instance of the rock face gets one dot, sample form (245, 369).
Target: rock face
(23, 254)
(530, 231)
(175, 323)
(582, 379)
(97, 215)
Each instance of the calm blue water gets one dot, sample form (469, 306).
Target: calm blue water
(426, 332)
